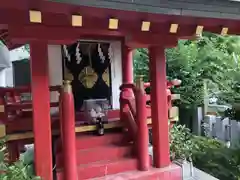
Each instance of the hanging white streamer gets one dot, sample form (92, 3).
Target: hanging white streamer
(78, 54)
(66, 53)
(110, 53)
(100, 53)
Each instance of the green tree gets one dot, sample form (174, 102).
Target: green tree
(212, 58)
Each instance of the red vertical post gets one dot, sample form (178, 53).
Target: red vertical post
(41, 109)
(3, 113)
(127, 73)
(159, 107)
(127, 64)
(141, 118)
(68, 132)
(127, 78)
(13, 151)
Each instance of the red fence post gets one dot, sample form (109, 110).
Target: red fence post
(141, 118)
(126, 112)
(13, 151)
(68, 132)
(3, 116)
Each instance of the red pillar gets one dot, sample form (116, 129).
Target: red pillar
(127, 78)
(41, 110)
(159, 107)
(68, 133)
(127, 65)
(141, 118)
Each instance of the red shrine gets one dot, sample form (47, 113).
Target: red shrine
(63, 138)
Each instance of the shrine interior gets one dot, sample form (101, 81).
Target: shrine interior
(88, 66)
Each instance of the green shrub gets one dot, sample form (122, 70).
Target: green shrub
(20, 170)
(180, 142)
(223, 163)
(209, 155)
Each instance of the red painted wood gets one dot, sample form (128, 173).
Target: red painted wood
(48, 8)
(68, 136)
(173, 172)
(145, 40)
(98, 156)
(127, 115)
(68, 34)
(3, 117)
(24, 122)
(41, 106)
(101, 153)
(127, 64)
(27, 105)
(99, 169)
(57, 14)
(24, 89)
(92, 141)
(159, 107)
(13, 151)
(130, 122)
(142, 134)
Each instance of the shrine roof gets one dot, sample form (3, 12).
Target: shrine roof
(226, 9)
(213, 15)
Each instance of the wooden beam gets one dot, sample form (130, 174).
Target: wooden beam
(79, 129)
(55, 35)
(138, 41)
(66, 35)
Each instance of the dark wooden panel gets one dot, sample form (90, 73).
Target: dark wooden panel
(200, 8)
(21, 71)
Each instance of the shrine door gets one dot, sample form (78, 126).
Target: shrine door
(87, 65)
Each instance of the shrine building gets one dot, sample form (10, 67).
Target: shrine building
(81, 58)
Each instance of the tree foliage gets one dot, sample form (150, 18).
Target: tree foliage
(211, 58)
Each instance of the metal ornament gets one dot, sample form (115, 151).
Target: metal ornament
(68, 75)
(105, 77)
(88, 77)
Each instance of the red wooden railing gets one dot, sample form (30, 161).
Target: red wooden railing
(128, 105)
(13, 104)
(134, 115)
(128, 109)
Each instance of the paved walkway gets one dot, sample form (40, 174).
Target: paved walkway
(200, 175)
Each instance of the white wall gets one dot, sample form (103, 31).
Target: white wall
(55, 71)
(116, 73)
(3, 78)
(6, 74)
